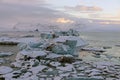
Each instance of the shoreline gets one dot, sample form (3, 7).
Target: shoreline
(93, 66)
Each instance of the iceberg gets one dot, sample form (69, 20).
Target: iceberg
(63, 39)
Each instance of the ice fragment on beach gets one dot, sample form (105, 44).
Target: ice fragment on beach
(94, 49)
(57, 78)
(53, 55)
(5, 70)
(32, 54)
(5, 54)
(70, 32)
(68, 67)
(37, 53)
(55, 64)
(83, 78)
(16, 64)
(60, 49)
(47, 35)
(37, 69)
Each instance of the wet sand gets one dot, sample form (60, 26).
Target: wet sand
(7, 48)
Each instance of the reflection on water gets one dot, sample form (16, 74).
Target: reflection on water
(101, 39)
(6, 48)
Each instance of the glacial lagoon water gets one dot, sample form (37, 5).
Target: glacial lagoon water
(104, 39)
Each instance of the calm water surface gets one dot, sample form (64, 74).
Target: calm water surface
(100, 39)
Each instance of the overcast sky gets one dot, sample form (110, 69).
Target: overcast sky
(57, 11)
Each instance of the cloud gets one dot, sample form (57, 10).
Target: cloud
(82, 8)
(13, 13)
(63, 20)
(26, 2)
(105, 16)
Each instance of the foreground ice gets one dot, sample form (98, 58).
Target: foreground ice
(5, 70)
(80, 41)
(5, 54)
(42, 62)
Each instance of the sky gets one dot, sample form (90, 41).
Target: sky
(58, 12)
(103, 9)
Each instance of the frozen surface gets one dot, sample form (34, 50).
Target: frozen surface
(37, 69)
(80, 42)
(5, 69)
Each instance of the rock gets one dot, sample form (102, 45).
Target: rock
(24, 36)
(107, 47)
(66, 59)
(96, 53)
(8, 43)
(5, 70)
(117, 45)
(2, 78)
(96, 56)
